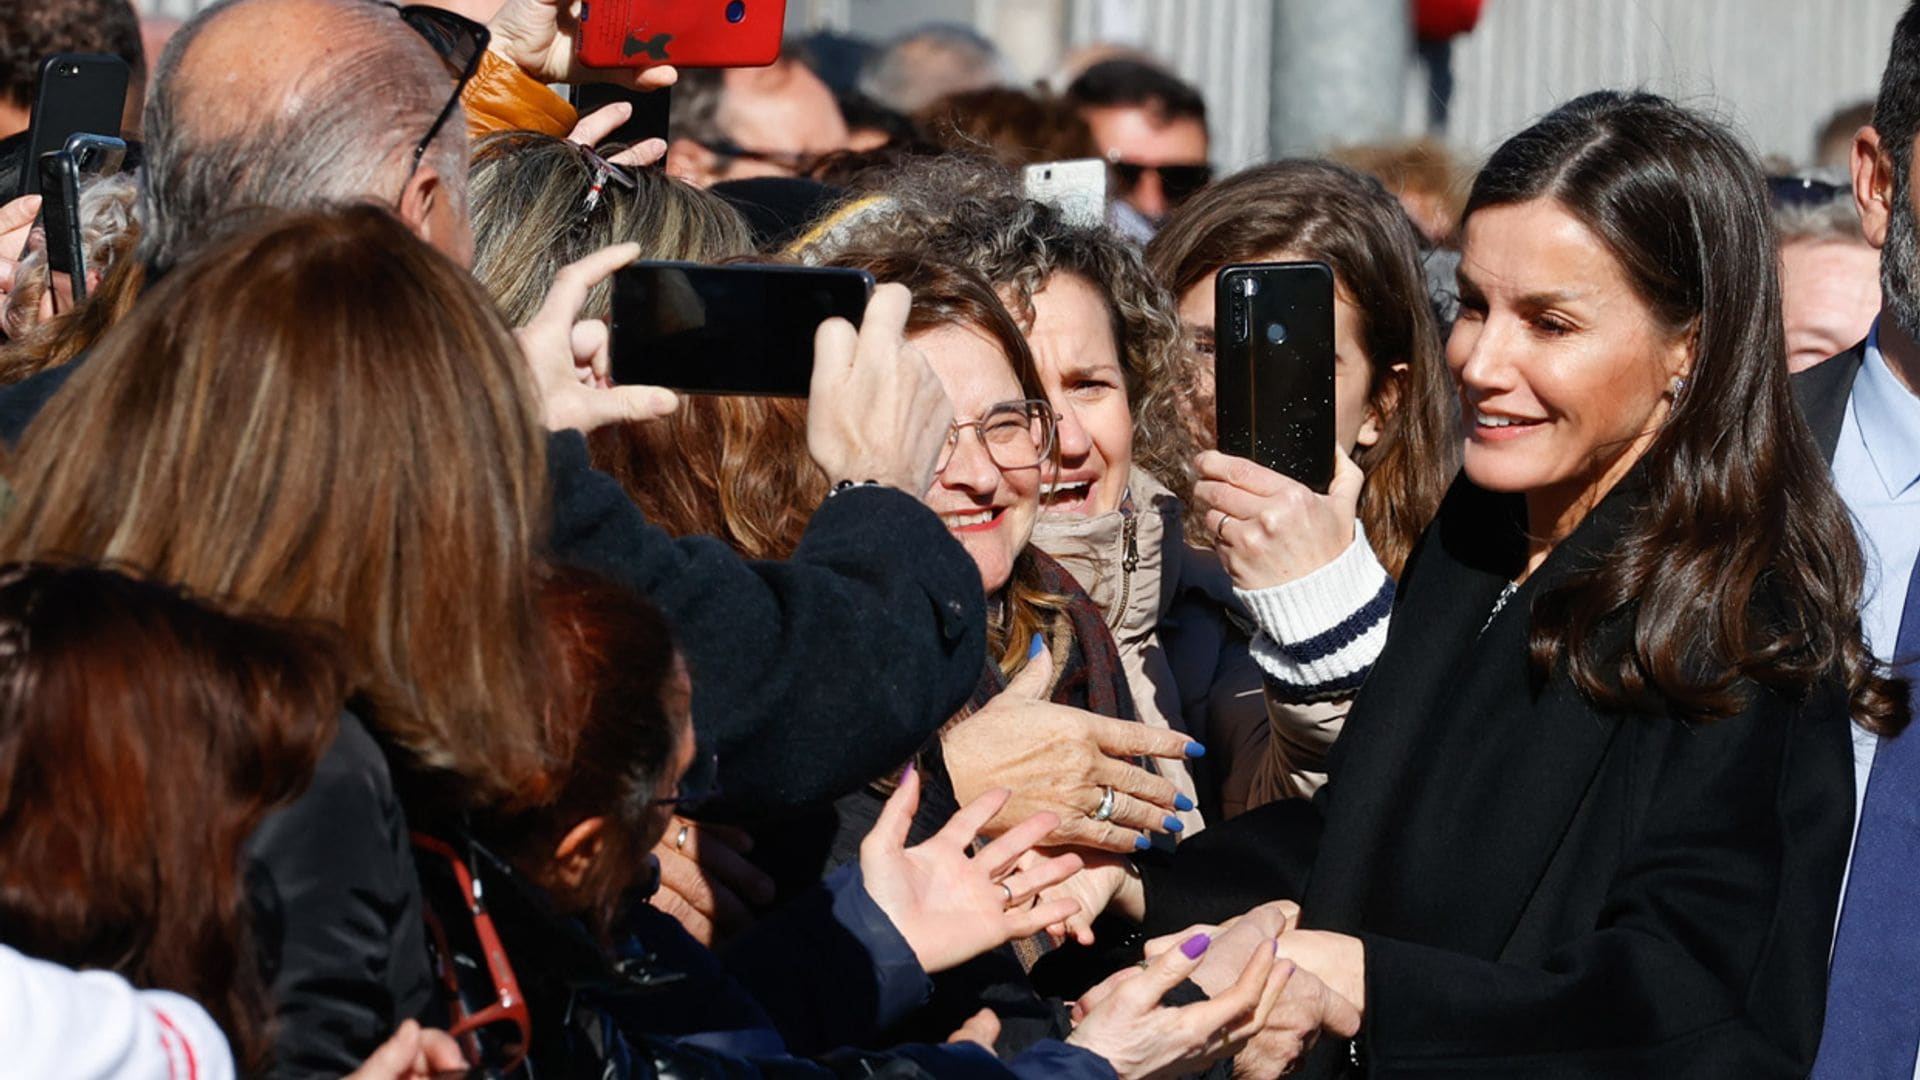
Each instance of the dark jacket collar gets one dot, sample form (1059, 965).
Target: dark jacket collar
(1822, 392)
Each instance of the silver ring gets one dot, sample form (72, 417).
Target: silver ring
(1105, 810)
(680, 838)
(1008, 889)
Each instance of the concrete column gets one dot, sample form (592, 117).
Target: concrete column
(1339, 73)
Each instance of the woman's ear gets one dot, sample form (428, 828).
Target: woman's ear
(573, 859)
(1381, 409)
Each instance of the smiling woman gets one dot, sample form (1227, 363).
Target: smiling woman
(1590, 813)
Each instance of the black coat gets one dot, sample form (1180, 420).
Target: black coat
(336, 913)
(1546, 888)
(811, 676)
(1823, 391)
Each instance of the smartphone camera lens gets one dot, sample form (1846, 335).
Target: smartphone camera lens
(736, 10)
(1249, 286)
(1276, 333)
(69, 70)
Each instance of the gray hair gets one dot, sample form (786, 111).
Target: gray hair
(107, 226)
(924, 65)
(338, 133)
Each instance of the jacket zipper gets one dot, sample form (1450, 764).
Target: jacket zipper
(1129, 560)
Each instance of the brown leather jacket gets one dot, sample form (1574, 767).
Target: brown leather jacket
(501, 97)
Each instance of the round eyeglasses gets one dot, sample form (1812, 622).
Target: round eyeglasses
(1015, 435)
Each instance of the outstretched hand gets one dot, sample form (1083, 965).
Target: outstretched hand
(1061, 760)
(950, 905)
(537, 37)
(595, 126)
(571, 360)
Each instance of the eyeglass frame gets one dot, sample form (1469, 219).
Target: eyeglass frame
(697, 786)
(1034, 408)
(476, 32)
(509, 1004)
(800, 164)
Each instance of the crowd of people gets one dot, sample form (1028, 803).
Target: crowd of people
(388, 692)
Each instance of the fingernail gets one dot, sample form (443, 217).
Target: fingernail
(1173, 824)
(1195, 749)
(1182, 803)
(1039, 646)
(1141, 843)
(906, 772)
(1194, 946)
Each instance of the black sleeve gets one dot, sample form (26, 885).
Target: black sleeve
(1710, 955)
(1262, 855)
(811, 676)
(337, 913)
(22, 401)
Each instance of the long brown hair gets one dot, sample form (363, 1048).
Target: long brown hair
(323, 418)
(1326, 212)
(143, 738)
(1738, 501)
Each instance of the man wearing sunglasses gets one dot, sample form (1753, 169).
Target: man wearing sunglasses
(1151, 128)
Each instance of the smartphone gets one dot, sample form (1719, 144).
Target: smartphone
(1273, 367)
(60, 172)
(727, 329)
(684, 33)
(650, 111)
(76, 92)
(1078, 188)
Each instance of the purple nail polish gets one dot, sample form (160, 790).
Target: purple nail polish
(1194, 946)
(906, 772)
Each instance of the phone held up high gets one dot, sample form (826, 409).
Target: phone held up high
(60, 173)
(1078, 188)
(1273, 367)
(76, 92)
(684, 33)
(727, 329)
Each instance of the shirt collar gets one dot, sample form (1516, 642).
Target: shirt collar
(1888, 416)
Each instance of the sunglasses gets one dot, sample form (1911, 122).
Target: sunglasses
(487, 1014)
(1785, 191)
(459, 42)
(1179, 182)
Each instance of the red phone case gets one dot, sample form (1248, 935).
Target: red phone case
(684, 33)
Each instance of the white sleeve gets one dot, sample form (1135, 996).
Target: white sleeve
(91, 1025)
(1320, 634)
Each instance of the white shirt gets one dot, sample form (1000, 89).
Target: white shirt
(91, 1025)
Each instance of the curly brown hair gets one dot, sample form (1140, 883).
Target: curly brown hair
(970, 211)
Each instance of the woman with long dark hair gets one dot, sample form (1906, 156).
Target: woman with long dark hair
(1589, 816)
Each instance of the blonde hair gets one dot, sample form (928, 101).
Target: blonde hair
(322, 418)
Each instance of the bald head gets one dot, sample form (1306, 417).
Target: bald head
(292, 105)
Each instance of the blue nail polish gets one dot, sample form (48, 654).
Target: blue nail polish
(1173, 824)
(1182, 803)
(1195, 749)
(1141, 843)
(1039, 646)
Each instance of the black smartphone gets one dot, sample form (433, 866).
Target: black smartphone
(60, 173)
(650, 109)
(727, 329)
(76, 92)
(1273, 367)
